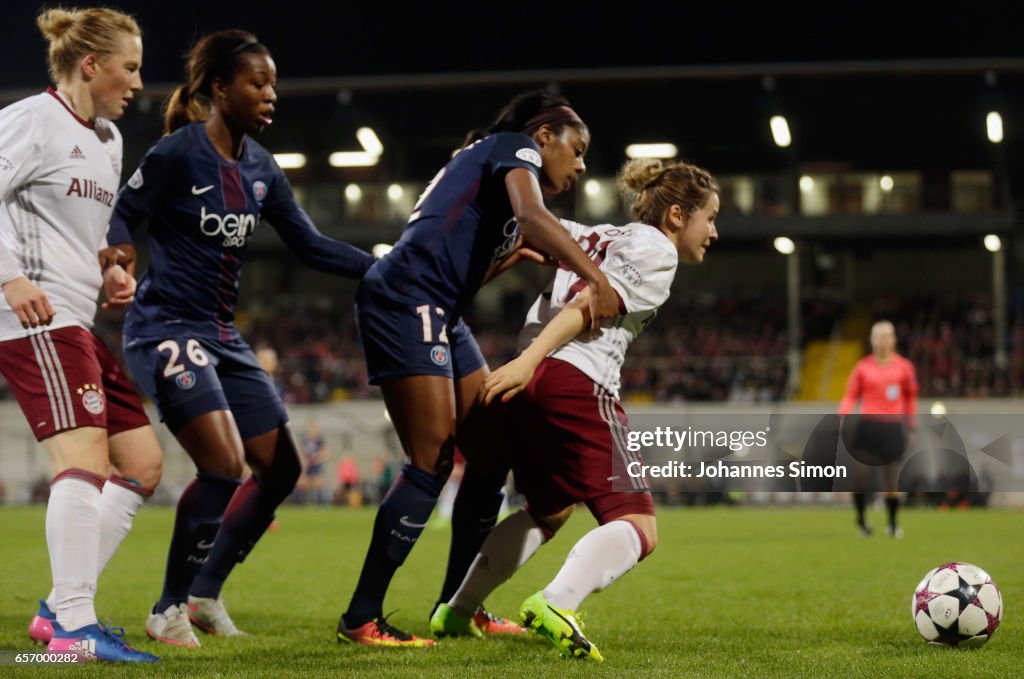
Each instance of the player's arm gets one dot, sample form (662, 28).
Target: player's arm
(20, 160)
(313, 248)
(512, 378)
(318, 251)
(137, 201)
(543, 230)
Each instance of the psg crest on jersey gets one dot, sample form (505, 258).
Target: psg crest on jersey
(186, 380)
(439, 355)
(259, 190)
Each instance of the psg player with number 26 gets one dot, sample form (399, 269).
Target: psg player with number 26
(203, 188)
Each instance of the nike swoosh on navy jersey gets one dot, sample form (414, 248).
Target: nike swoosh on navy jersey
(198, 192)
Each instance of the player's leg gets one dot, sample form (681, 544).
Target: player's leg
(480, 493)
(422, 410)
(134, 452)
(274, 459)
(180, 375)
(80, 463)
(592, 463)
(508, 546)
(627, 534)
(57, 378)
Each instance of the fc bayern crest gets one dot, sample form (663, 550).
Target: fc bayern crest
(439, 355)
(259, 189)
(186, 380)
(93, 401)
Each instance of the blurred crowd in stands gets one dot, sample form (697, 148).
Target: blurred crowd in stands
(702, 348)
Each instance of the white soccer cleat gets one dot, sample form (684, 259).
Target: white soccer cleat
(172, 627)
(210, 616)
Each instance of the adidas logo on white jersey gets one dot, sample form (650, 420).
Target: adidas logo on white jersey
(76, 154)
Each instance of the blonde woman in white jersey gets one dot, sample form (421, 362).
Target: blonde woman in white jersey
(60, 168)
(557, 409)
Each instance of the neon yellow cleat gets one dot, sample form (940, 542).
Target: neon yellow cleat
(558, 626)
(446, 622)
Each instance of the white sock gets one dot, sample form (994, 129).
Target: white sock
(118, 506)
(510, 544)
(73, 538)
(600, 558)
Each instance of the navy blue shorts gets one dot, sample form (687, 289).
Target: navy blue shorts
(188, 377)
(405, 333)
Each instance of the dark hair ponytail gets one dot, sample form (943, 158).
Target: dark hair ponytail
(213, 56)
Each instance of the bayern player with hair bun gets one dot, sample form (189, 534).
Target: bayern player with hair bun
(557, 407)
(60, 166)
(409, 306)
(203, 188)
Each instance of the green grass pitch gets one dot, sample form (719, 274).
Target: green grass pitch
(728, 593)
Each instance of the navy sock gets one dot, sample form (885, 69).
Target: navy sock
(245, 520)
(200, 510)
(474, 515)
(402, 515)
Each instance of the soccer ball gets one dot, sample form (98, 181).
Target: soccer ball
(957, 604)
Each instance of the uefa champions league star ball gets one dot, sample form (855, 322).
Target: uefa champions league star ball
(957, 604)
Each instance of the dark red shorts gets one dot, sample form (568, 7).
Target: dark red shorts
(565, 438)
(67, 378)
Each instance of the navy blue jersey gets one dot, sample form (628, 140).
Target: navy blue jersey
(462, 223)
(202, 210)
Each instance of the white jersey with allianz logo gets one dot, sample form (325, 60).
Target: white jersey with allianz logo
(640, 263)
(59, 176)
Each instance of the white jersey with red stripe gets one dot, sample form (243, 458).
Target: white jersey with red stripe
(59, 176)
(640, 263)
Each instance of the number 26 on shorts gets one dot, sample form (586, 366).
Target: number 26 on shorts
(194, 352)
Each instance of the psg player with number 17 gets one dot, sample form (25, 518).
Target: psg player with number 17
(464, 228)
(203, 188)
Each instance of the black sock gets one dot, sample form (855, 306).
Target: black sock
(892, 504)
(200, 510)
(474, 515)
(400, 520)
(245, 520)
(860, 502)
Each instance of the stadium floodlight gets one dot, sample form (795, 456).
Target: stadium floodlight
(886, 183)
(352, 159)
(656, 150)
(368, 157)
(993, 243)
(290, 161)
(592, 188)
(353, 193)
(395, 192)
(379, 250)
(994, 126)
(370, 141)
(780, 131)
(806, 184)
(784, 245)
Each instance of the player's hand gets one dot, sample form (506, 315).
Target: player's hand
(119, 287)
(604, 302)
(29, 302)
(507, 381)
(122, 253)
(529, 254)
